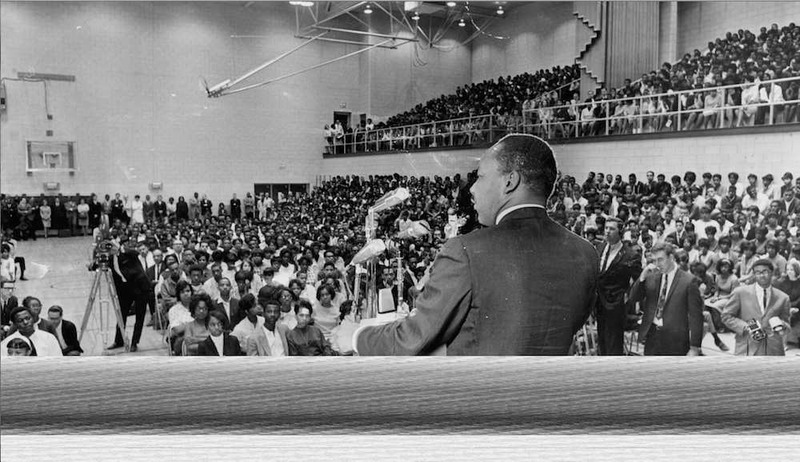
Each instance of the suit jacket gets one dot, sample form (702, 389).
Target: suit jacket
(523, 287)
(794, 206)
(135, 276)
(614, 282)
(743, 306)
(230, 346)
(70, 334)
(236, 314)
(258, 344)
(683, 310)
(154, 271)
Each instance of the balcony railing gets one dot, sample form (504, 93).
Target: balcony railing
(463, 132)
(666, 112)
(731, 106)
(475, 130)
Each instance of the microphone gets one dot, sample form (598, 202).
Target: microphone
(371, 250)
(756, 331)
(390, 199)
(776, 324)
(416, 230)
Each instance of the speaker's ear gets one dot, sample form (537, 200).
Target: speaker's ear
(512, 181)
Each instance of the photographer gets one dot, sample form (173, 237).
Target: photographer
(132, 285)
(759, 314)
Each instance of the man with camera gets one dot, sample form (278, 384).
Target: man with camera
(759, 314)
(133, 287)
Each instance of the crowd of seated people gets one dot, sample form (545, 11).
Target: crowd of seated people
(241, 260)
(26, 333)
(721, 227)
(647, 105)
(503, 100)
(543, 104)
(221, 278)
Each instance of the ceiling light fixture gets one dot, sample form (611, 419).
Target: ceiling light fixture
(451, 4)
(368, 9)
(306, 4)
(500, 10)
(415, 17)
(461, 23)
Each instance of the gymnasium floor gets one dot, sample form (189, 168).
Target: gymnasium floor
(68, 283)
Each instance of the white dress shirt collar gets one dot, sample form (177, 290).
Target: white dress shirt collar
(505, 212)
(219, 343)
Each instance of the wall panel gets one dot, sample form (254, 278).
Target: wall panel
(745, 153)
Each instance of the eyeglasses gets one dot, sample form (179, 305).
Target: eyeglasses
(763, 272)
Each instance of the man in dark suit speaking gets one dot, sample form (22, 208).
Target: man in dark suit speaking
(522, 286)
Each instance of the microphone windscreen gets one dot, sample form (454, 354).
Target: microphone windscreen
(371, 250)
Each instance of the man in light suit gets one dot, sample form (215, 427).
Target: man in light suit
(672, 323)
(762, 302)
(270, 339)
(523, 286)
(620, 264)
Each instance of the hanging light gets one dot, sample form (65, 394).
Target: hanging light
(368, 9)
(500, 10)
(416, 16)
(451, 4)
(461, 23)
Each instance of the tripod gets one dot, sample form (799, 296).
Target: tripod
(103, 277)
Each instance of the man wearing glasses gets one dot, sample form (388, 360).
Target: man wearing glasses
(759, 314)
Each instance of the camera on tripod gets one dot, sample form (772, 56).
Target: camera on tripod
(103, 250)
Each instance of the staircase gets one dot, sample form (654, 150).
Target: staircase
(589, 39)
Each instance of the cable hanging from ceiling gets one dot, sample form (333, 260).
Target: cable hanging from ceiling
(482, 30)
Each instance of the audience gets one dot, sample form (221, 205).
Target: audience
(547, 102)
(293, 253)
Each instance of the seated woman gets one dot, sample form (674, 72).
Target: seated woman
(726, 282)
(288, 299)
(179, 315)
(19, 346)
(218, 342)
(326, 312)
(342, 335)
(195, 331)
(306, 339)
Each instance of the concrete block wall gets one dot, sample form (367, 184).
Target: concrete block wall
(541, 35)
(702, 22)
(773, 153)
(397, 83)
(139, 114)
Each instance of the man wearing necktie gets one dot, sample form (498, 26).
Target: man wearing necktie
(620, 264)
(761, 302)
(672, 322)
